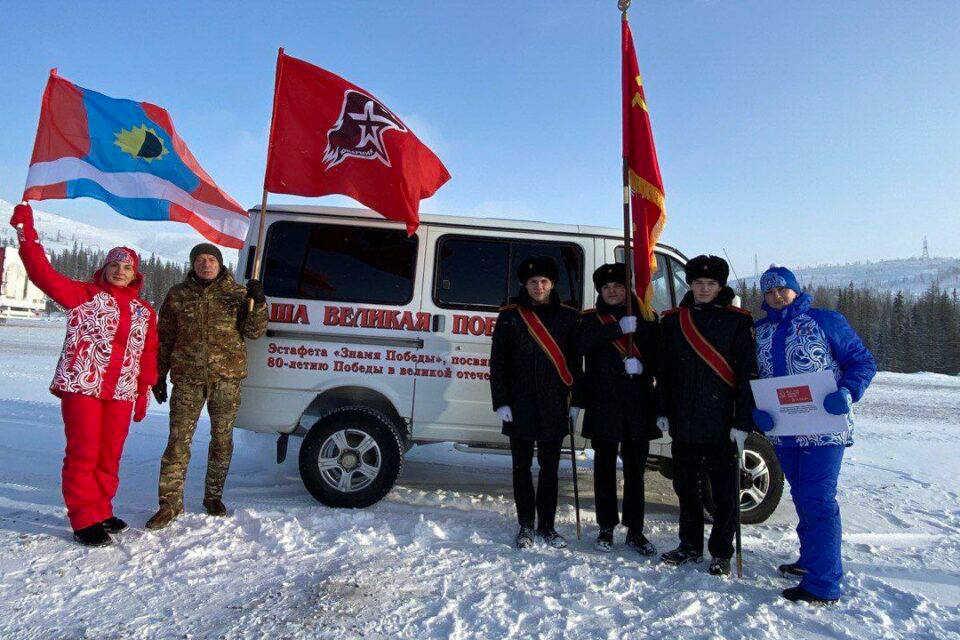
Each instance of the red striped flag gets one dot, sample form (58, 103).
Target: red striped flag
(646, 185)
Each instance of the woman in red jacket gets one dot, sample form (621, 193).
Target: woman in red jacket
(106, 369)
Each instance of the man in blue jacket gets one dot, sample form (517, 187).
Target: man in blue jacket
(796, 338)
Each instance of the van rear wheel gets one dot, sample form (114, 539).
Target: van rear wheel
(351, 457)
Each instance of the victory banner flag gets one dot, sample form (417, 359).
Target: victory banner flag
(646, 186)
(128, 155)
(330, 136)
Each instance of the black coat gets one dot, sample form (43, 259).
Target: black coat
(618, 407)
(523, 378)
(701, 407)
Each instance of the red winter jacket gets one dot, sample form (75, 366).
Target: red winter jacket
(110, 350)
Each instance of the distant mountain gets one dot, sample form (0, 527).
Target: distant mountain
(911, 275)
(58, 232)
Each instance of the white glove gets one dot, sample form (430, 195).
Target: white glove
(663, 424)
(628, 324)
(505, 414)
(574, 412)
(739, 437)
(633, 366)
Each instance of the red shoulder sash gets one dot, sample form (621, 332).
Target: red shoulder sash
(704, 349)
(547, 343)
(621, 342)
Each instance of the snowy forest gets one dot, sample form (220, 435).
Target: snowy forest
(905, 333)
(159, 275)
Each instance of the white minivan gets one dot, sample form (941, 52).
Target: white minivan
(378, 341)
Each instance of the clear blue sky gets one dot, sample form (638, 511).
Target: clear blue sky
(804, 132)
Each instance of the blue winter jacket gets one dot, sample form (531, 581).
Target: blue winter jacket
(801, 339)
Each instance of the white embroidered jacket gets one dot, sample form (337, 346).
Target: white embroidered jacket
(91, 328)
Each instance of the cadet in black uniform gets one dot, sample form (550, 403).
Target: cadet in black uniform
(707, 360)
(532, 368)
(617, 391)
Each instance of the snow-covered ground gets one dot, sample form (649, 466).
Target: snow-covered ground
(436, 559)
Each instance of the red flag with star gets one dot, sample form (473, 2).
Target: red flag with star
(646, 186)
(330, 136)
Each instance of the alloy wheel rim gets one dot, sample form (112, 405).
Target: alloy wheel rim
(349, 460)
(754, 480)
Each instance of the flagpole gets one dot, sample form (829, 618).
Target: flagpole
(258, 249)
(627, 249)
(624, 5)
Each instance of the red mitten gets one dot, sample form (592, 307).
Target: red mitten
(22, 221)
(140, 405)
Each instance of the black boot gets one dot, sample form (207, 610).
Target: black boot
(604, 540)
(639, 543)
(682, 555)
(525, 538)
(719, 567)
(164, 516)
(792, 570)
(93, 536)
(799, 594)
(552, 538)
(114, 524)
(215, 507)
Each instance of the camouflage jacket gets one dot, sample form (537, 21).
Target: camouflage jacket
(201, 330)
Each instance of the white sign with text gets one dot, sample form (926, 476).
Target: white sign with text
(796, 403)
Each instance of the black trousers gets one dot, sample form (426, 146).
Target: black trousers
(719, 461)
(542, 502)
(634, 456)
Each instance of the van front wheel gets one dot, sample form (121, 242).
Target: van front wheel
(351, 457)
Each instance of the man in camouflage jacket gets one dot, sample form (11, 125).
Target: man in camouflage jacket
(202, 326)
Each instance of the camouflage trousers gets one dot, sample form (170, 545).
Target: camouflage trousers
(186, 401)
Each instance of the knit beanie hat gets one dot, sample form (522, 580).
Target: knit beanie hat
(777, 276)
(123, 255)
(207, 248)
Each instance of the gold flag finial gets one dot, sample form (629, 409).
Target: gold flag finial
(623, 5)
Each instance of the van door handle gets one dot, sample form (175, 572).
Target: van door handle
(438, 323)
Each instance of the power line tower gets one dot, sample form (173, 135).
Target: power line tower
(926, 250)
(756, 267)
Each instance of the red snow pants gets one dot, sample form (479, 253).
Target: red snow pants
(96, 430)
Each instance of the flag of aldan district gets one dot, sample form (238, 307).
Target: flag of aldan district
(646, 185)
(128, 155)
(330, 136)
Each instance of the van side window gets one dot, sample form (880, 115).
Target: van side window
(480, 273)
(661, 285)
(470, 272)
(339, 263)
